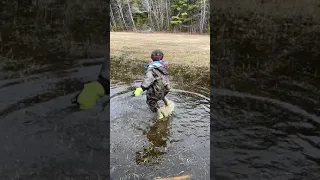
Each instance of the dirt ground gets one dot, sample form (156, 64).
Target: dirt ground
(185, 49)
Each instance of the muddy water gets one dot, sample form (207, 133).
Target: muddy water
(260, 137)
(43, 136)
(145, 148)
(254, 135)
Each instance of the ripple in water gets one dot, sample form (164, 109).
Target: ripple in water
(145, 148)
(254, 137)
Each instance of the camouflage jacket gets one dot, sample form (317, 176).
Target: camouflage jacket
(156, 78)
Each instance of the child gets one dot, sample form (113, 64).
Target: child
(156, 82)
(94, 90)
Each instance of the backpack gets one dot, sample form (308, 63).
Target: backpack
(158, 86)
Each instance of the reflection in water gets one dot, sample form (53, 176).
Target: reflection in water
(157, 135)
(38, 111)
(75, 144)
(255, 137)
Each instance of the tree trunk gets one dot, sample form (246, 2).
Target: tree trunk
(149, 15)
(202, 15)
(167, 14)
(121, 14)
(130, 13)
(112, 17)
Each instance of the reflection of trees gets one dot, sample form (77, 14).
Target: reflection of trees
(157, 136)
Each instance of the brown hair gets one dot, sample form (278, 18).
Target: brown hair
(157, 55)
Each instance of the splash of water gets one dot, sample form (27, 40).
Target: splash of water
(167, 110)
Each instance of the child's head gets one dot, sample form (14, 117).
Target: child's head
(157, 55)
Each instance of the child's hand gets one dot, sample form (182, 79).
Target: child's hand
(138, 91)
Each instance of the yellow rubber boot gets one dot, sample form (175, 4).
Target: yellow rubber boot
(159, 114)
(169, 103)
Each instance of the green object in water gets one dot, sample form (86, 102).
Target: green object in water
(90, 94)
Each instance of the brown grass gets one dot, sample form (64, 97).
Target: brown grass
(274, 38)
(185, 77)
(193, 50)
(50, 32)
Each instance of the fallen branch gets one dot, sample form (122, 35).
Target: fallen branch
(185, 177)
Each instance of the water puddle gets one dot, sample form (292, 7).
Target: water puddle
(43, 134)
(75, 144)
(145, 148)
(256, 137)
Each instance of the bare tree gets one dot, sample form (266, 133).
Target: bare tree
(113, 21)
(160, 14)
(121, 14)
(130, 13)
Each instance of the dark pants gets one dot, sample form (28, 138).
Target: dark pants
(153, 105)
(153, 98)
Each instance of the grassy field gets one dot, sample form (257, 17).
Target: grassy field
(193, 50)
(188, 57)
